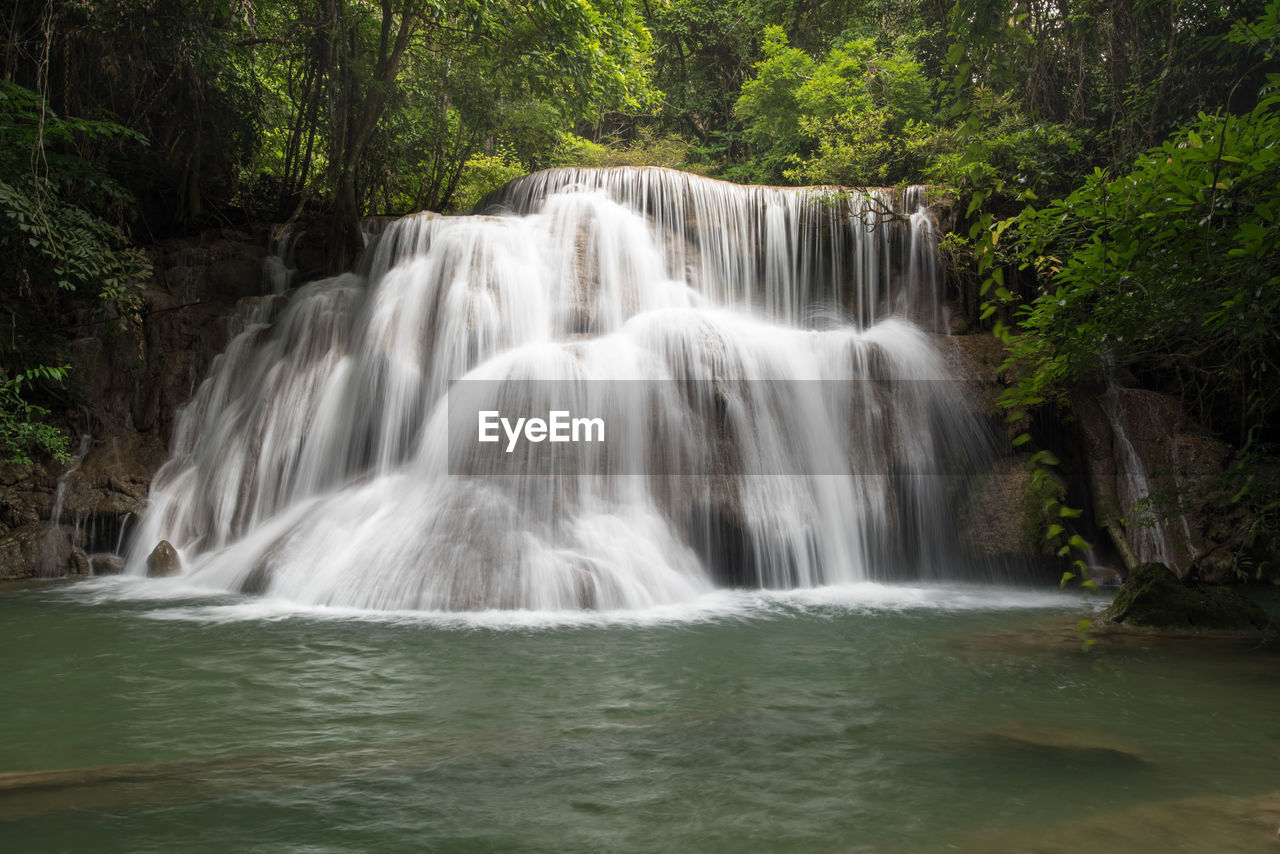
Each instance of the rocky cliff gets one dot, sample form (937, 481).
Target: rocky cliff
(126, 391)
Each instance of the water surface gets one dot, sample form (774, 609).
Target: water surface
(862, 718)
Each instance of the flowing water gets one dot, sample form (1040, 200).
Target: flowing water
(865, 718)
(777, 414)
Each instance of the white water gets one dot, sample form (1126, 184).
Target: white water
(1152, 538)
(54, 537)
(313, 464)
(175, 601)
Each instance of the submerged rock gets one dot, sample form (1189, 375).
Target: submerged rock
(1065, 740)
(1153, 596)
(1223, 825)
(163, 561)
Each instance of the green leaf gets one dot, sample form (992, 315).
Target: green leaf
(1044, 458)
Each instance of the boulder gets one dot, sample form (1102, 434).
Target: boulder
(104, 563)
(1153, 596)
(163, 561)
(78, 565)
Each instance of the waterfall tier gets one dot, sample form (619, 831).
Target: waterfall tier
(778, 414)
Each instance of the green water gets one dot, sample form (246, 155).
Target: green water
(869, 719)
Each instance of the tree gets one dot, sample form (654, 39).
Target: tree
(843, 119)
(62, 254)
(390, 101)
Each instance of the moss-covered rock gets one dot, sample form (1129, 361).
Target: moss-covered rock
(1153, 596)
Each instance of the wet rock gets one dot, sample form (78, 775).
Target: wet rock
(1105, 576)
(163, 561)
(1147, 463)
(994, 518)
(257, 582)
(1153, 596)
(723, 542)
(106, 564)
(78, 565)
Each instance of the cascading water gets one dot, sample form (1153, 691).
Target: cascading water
(1152, 538)
(777, 416)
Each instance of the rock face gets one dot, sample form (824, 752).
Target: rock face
(23, 553)
(1132, 457)
(1153, 596)
(129, 390)
(1138, 443)
(999, 518)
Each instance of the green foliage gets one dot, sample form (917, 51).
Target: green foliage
(62, 254)
(484, 173)
(647, 149)
(22, 427)
(769, 105)
(50, 231)
(1173, 267)
(382, 108)
(843, 119)
(79, 252)
(1000, 152)
(1126, 72)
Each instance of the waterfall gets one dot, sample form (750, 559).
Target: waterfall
(773, 412)
(280, 269)
(1151, 537)
(55, 537)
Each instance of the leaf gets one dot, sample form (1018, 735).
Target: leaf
(1045, 458)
